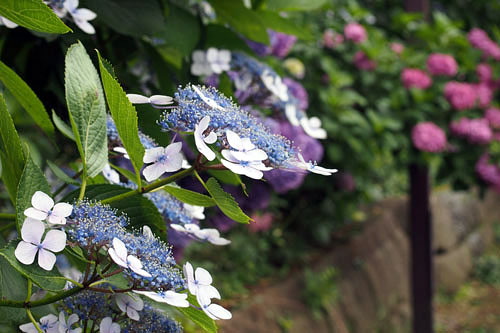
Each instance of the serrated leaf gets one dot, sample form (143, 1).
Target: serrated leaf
(11, 152)
(27, 98)
(244, 20)
(87, 109)
(34, 15)
(64, 128)
(47, 280)
(138, 208)
(32, 180)
(290, 5)
(190, 197)
(125, 117)
(226, 202)
(59, 173)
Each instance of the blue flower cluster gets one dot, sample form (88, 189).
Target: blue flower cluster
(87, 305)
(94, 224)
(113, 136)
(152, 321)
(192, 108)
(171, 208)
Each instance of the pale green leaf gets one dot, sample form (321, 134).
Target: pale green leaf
(290, 5)
(59, 173)
(64, 128)
(87, 109)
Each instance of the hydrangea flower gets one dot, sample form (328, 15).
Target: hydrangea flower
(31, 244)
(312, 127)
(442, 64)
(81, 16)
(363, 62)
(461, 96)
(156, 101)
(107, 326)
(244, 162)
(201, 139)
(275, 85)
(480, 40)
(65, 326)
(196, 212)
(415, 78)
(129, 305)
(331, 39)
(7, 23)
(48, 324)
(214, 311)
(210, 235)
(493, 117)
(44, 208)
(355, 32)
(168, 159)
(200, 65)
(427, 136)
(397, 48)
(314, 167)
(169, 297)
(111, 175)
(218, 60)
(120, 256)
(484, 72)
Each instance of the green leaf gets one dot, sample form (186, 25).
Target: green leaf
(32, 180)
(223, 38)
(129, 17)
(34, 15)
(242, 19)
(59, 173)
(190, 197)
(226, 202)
(87, 109)
(27, 98)
(278, 23)
(140, 210)
(47, 280)
(290, 5)
(64, 128)
(11, 152)
(125, 117)
(127, 174)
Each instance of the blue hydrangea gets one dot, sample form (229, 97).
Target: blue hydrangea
(152, 321)
(191, 109)
(87, 305)
(171, 208)
(94, 224)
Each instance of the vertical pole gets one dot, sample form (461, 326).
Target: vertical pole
(421, 249)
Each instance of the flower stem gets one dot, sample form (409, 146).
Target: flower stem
(28, 296)
(7, 217)
(82, 189)
(30, 315)
(150, 187)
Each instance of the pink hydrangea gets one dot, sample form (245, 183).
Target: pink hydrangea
(489, 173)
(484, 94)
(493, 117)
(362, 61)
(484, 72)
(397, 48)
(461, 96)
(355, 32)
(480, 40)
(262, 222)
(331, 39)
(476, 131)
(415, 78)
(442, 64)
(427, 136)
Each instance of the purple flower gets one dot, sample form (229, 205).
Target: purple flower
(361, 61)
(489, 173)
(442, 64)
(460, 95)
(480, 40)
(427, 136)
(493, 117)
(281, 43)
(484, 72)
(298, 91)
(475, 131)
(415, 78)
(484, 94)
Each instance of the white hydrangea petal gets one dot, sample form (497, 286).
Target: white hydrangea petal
(252, 155)
(176, 299)
(84, 14)
(136, 303)
(209, 292)
(198, 56)
(203, 148)
(161, 100)
(133, 314)
(174, 162)
(195, 212)
(46, 259)
(259, 166)
(137, 99)
(225, 56)
(218, 312)
(32, 231)
(228, 155)
(62, 209)
(212, 54)
(25, 252)
(107, 326)
(35, 214)
(216, 68)
(28, 328)
(234, 167)
(146, 231)
(314, 132)
(247, 144)
(55, 241)
(54, 219)
(234, 140)
(154, 171)
(219, 241)
(203, 276)
(210, 138)
(73, 319)
(114, 256)
(151, 155)
(136, 265)
(123, 151)
(253, 173)
(173, 148)
(42, 201)
(9, 24)
(121, 301)
(178, 227)
(189, 276)
(84, 26)
(291, 114)
(120, 248)
(203, 124)
(71, 5)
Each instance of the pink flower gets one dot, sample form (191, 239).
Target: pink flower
(262, 222)
(397, 48)
(361, 61)
(415, 78)
(442, 64)
(480, 40)
(484, 94)
(476, 131)
(489, 173)
(484, 72)
(427, 136)
(461, 96)
(355, 32)
(331, 39)
(493, 117)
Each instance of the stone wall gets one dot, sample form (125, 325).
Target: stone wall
(374, 269)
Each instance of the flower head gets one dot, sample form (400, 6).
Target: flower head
(493, 117)
(363, 62)
(48, 324)
(120, 256)
(460, 95)
(218, 60)
(168, 159)
(415, 78)
(484, 72)
(156, 101)
(429, 137)
(129, 305)
(355, 32)
(442, 64)
(81, 16)
(397, 48)
(44, 208)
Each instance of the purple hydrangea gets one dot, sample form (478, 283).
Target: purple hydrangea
(297, 91)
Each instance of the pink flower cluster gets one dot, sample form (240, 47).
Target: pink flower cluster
(460, 95)
(397, 48)
(489, 173)
(480, 40)
(476, 131)
(493, 117)
(262, 222)
(362, 61)
(415, 78)
(442, 64)
(331, 39)
(427, 136)
(484, 73)
(355, 32)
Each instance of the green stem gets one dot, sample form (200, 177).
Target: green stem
(44, 301)
(30, 285)
(150, 187)
(82, 189)
(30, 315)
(7, 217)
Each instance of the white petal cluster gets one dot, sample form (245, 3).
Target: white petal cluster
(274, 84)
(120, 256)
(314, 167)
(107, 326)
(170, 297)
(129, 305)
(168, 159)
(156, 101)
(65, 326)
(210, 102)
(209, 234)
(213, 61)
(200, 284)
(81, 16)
(49, 322)
(312, 127)
(45, 209)
(244, 158)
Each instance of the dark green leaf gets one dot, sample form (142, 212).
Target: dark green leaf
(11, 152)
(190, 197)
(64, 128)
(34, 15)
(32, 180)
(226, 202)
(289, 5)
(27, 98)
(242, 19)
(87, 109)
(125, 117)
(59, 173)
(278, 23)
(47, 280)
(223, 38)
